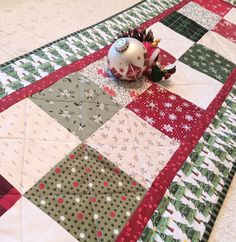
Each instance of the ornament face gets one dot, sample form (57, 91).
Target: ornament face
(127, 58)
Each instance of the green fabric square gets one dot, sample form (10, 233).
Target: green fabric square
(207, 61)
(78, 104)
(87, 195)
(184, 26)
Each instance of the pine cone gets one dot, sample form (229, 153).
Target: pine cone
(139, 34)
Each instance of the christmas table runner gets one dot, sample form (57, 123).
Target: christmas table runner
(84, 157)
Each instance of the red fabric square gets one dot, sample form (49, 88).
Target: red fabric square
(226, 29)
(166, 58)
(166, 111)
(217, 6)
(8, 195)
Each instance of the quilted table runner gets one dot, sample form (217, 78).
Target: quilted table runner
(84, 157)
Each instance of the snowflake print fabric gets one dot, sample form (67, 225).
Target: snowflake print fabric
(166, 111)
(195, 195)
(134, 146)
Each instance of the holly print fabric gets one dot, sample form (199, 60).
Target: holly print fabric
(77, 104)
(166, 111)
(87, 195)
(191, 203)
(207, 61)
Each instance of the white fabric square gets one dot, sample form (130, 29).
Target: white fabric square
(193, 85)
(172, 42)
(134, 145)
(220, 45)
(200, 15)
(32, 143)
(231, 16)
(18, 225)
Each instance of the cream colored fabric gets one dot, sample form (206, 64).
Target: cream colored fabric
(31, 143)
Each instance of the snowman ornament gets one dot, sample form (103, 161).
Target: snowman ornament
(129, 57)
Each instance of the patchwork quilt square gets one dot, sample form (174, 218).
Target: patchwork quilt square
(184, 26)
(226, 29)
(87, 195)
(207, 61)
(77, 104)
(231, 16)
(31, 144)
(134, 146)
(23, 208)
(8, 195)
(166, 111)
(192, 85)
(200, 15)
(120, 91)
(171, 41)
(220, 45)
(217, 6)
(166, 58)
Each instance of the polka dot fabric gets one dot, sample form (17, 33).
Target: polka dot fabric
(87, 195)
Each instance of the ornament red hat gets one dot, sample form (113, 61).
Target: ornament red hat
(152, 50)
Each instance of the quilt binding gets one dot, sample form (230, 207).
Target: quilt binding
(217, 208)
